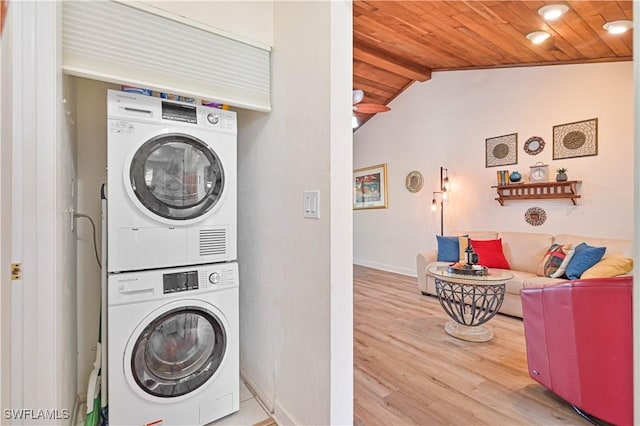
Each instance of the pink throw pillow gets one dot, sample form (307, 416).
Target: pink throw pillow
(490, 253)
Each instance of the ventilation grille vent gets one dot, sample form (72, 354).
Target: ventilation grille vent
(213, 242)
(114, 42)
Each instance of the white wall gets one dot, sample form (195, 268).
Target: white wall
(287, 269)
(248, 21)
(65, 250)
(445, 121)
(91, 100)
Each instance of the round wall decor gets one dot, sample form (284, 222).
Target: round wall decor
(535, 216)
(414, 181)
(534, 145)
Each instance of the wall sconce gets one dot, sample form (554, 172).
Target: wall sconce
(444, 190)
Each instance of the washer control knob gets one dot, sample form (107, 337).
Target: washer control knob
(214, 278)
(212, 118)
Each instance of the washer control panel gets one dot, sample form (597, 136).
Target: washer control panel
(130, 287)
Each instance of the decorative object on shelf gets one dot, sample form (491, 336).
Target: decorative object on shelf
(515, 177)
(535, 216)
(578, 139)
(502, 150)
(414, 181)
(444, 193)
(539, 172)
(562, 175)
(370, 187)
(502, 177)
(534, 145)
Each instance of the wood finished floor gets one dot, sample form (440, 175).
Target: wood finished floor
(407, 370)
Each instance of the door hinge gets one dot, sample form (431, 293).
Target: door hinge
(16, 271)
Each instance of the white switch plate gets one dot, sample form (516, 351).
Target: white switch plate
(312, 204)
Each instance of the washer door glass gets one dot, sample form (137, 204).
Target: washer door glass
(178, 352)
(177, 176)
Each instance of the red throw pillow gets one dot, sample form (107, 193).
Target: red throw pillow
(490, 253)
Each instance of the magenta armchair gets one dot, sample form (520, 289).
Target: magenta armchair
(580, 344)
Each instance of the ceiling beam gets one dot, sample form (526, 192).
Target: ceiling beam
(394, 64)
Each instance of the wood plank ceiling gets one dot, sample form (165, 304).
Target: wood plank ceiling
(398, 42)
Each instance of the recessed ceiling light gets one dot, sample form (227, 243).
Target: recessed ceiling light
(553, 11)
(618, 27)
(538, 37)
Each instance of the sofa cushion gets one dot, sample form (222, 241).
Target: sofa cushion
(585, 257)
(448, 248)
(477, 235)
(554, 264)
(614, 246)
(514, 285)
(490, 253)
(538, 282)
(524, 250)
(464, 242)
(609, 267)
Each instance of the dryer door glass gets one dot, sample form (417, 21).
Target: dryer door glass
(178, 352)
(177, 176)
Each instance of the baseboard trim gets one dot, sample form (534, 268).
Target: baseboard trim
(283, 417)
(384, 267)
(261, 397)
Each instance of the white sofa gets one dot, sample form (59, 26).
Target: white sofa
(524, 251)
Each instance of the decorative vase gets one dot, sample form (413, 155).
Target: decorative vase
(515, 177)
(561, 177)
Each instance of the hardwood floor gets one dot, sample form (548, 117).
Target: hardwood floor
(409, 371)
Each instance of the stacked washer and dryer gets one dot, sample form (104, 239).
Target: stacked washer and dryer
(172, 287)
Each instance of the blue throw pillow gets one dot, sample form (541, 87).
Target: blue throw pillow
(448, 249)
(584, 257)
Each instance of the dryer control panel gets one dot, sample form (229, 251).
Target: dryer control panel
(127, 107)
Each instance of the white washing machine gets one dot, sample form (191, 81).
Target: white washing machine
(173, 345)
(171, 183)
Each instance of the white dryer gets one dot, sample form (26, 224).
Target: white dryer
(171, 183)
(173, 345)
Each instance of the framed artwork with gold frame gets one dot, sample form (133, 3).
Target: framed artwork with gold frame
(370, 187)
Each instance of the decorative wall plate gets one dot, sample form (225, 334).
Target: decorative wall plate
(414, 181)
(535, 216)
(534, 145)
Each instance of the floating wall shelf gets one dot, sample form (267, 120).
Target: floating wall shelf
(539, 191)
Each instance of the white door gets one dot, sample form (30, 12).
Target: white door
(5, 214)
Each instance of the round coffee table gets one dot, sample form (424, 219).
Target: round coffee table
(470, 301)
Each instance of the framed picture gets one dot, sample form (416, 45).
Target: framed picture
(502, 150)
(370, 187)
(578, 139)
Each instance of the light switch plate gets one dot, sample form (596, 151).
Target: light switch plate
(312, 204)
